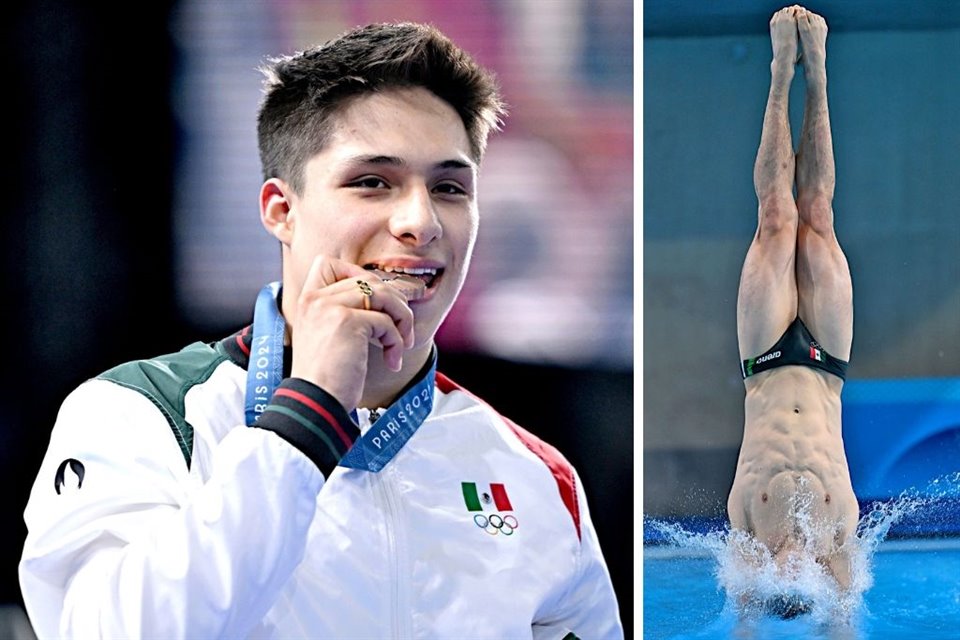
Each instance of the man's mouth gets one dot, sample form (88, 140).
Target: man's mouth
(427, 275)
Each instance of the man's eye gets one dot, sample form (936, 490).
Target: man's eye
(369, 182)
(450, 188)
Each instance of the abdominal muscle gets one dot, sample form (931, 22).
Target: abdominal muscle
(792, 489)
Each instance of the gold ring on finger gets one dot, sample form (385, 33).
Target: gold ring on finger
(367, 292)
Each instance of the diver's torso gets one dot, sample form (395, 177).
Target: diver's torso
(792, 467)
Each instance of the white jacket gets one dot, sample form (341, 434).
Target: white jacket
(188, 524)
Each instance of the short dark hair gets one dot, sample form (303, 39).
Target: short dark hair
(303, 91)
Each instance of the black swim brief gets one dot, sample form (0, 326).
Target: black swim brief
(795, 347)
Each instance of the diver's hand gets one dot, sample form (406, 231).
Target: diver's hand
(331, 330)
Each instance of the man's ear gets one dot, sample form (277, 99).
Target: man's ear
(276, 209)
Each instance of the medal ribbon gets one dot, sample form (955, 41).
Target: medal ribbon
(384, 439)
(371, 451)
(265, 370)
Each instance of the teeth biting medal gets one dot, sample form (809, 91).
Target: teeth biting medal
(408, 285)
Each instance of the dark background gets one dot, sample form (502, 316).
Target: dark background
(88, 275)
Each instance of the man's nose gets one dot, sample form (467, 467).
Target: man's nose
(415, 220)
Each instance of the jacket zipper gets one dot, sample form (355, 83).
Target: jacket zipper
(395, 548)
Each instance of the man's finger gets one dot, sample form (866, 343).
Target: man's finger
(326, 270)
(384, 334)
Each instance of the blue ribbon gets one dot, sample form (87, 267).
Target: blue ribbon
(371, 451)
(374, 449)
(265, 371)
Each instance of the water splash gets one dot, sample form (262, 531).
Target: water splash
(924, 506)
(751, 579)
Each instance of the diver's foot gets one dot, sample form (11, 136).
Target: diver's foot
(783, 36)
(813, 39)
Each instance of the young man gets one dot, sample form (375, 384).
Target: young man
(792, 489)
(313, 475)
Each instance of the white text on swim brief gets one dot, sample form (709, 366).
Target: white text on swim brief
(769, 356)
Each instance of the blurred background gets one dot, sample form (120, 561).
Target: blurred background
(894, 104)
(133, 229)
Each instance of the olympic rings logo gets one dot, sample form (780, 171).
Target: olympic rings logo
(495, 524)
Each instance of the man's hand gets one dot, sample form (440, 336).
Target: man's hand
(331, 329)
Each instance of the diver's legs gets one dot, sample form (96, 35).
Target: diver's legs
(823, 276)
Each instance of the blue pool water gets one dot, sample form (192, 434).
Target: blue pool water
(906, 579)
(915, 594)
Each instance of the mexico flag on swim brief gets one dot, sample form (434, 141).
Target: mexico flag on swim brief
(475, 498)
(815, 353)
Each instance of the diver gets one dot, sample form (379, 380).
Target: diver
(792, 491)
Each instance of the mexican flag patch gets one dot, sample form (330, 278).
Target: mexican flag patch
(478, 499)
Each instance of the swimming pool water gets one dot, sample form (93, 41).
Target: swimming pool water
(915, 593)
(905, 575)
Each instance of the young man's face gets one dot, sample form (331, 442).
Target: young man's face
(395, 186)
